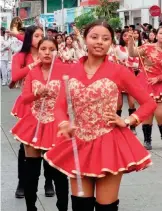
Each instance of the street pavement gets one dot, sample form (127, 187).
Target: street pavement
(140, 191)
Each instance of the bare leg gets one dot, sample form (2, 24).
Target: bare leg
(31, 152)
(158, 113)
(131, 102)
(88, 184)
(107, 188)
(87, 202)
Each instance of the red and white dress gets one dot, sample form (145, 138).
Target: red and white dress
(25, 130)
(19, 71)
(68, 55)
(132, 63)
(102, 147)
(152, 58)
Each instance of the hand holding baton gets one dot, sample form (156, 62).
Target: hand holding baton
(44, 99)
(74, 144)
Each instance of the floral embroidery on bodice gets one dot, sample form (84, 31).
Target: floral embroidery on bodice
(90, 104)
(50, 101)
(152, 60)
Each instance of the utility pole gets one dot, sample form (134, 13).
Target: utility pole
(62, 6)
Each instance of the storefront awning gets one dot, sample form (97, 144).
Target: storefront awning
(129, 10)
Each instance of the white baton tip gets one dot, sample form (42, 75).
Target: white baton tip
(65, 77)
(80, 193)
(34, 139)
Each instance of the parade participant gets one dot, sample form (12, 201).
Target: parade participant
(152, 37)
(16, 27)
(68, 54)
(132, 28)
(132, 65)
(137, 38)
(61, 44)
(50, 33)
(117, 36)
(9, 46)
(22, 63)
(151, 79)
(41, 84)
(4, 57)
(106, 146)
(78, 43)
(55, 32)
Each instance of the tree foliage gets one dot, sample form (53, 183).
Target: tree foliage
(84, 19)
(106, 10)
(115, 23)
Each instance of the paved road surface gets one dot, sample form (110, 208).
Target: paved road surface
(139, 191)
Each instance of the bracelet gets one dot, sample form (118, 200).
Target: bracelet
(137, 119)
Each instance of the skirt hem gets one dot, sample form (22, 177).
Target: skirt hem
(105, 170)
(29, 144)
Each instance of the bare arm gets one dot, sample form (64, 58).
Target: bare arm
(134, 51)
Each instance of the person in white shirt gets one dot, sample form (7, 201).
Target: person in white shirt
(68, 54)
(15, 46)
(4, 53)
(9, 46)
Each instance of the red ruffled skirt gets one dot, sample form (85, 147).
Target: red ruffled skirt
(24, 131)
(114, 152)
(20, 109)
(155, 90)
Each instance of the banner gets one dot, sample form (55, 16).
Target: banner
(89, 2)
(48, 19)
(93, 2)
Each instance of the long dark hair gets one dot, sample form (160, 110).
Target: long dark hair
(155, 40)
(58, 35)
(139, 37)
(98, 23)
(160, 27)
(28, 38)
(121, 41)
(67, 38)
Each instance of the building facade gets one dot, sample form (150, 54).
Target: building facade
(53, 5)
(134, 12)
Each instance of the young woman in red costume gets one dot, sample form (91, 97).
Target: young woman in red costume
(132, 64)
(35, 91)
(151, 79)
(22, 63)
(107, 148)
